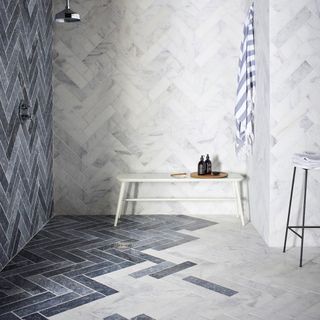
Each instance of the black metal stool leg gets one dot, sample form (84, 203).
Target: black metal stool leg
(304, 213)
(289, 210)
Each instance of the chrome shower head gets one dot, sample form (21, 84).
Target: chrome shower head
(67, 15)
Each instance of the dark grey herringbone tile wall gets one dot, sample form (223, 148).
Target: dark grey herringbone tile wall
(25, 150)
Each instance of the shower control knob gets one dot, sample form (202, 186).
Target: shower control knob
(24, 112)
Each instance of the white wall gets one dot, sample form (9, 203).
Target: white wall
(291, 111)
(295, 108)
(259, 163)
(143, 86)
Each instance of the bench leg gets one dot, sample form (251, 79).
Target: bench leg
(120, 202)
(236, 198)
(239, 204)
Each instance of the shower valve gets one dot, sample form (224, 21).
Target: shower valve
(24, 112)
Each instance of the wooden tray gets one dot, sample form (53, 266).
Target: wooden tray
(209, 176)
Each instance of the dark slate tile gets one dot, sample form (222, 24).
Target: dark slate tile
(126, 256)
(153, 269)
(53, 266)
(100, 272)
(91, 268)
(87, 256)
(115, 316)
(8, 288)
(25, 302)
(109, 269)
(9, 316)
(211, 286)
(67, 269)
(144, 256)
(147, 243)
(14, 298)
(92, 244)
(13, 266)
(27, 268)
(72, 304)
(172, 244)
(106, 256)
(174, 269)
(117, 236)
(199, 225)
(50, 256)
(48, 284)
(142, 317)
(153, 244)
(107, 291)
(35, 316)
(26, 284)
(72, 285)
(67, 255)
(46, 304)
(61, 244)
(31, 256)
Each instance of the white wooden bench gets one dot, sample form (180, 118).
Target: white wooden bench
(234, 179)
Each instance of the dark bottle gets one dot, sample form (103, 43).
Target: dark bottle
(208, 165)
(201, 166)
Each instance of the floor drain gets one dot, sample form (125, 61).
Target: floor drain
(123, 245)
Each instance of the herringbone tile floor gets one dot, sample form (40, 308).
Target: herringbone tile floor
(55, 271)
(157, 267)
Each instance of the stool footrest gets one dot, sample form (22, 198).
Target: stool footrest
(300, 236)
(301, 227)
(305, 227)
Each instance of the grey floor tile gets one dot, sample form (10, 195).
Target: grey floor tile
(126, 256)
(48, 284)
(14, 298)
(46, 304)
(211, 286)
(171, 270)
(35, 316)
(91, 268)
(54, 272)
(27, 285)
(72, 285)
(70, 268)
(107, 256)
(9, 316)
(25, 302)
(151, 270)
(95, 285)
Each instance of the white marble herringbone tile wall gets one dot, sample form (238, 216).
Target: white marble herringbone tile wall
(143, 86)
(259, 163)
(295, 108)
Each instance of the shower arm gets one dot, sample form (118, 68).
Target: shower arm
(67, 4)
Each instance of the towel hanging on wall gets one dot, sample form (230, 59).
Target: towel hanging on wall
(246, 88)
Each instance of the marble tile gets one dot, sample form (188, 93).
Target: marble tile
(210, 286)
(110, 85)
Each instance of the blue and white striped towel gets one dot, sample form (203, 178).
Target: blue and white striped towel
(246, 88)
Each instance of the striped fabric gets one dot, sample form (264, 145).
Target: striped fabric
(246, 89)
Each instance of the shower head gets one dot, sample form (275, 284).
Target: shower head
(67, 15)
